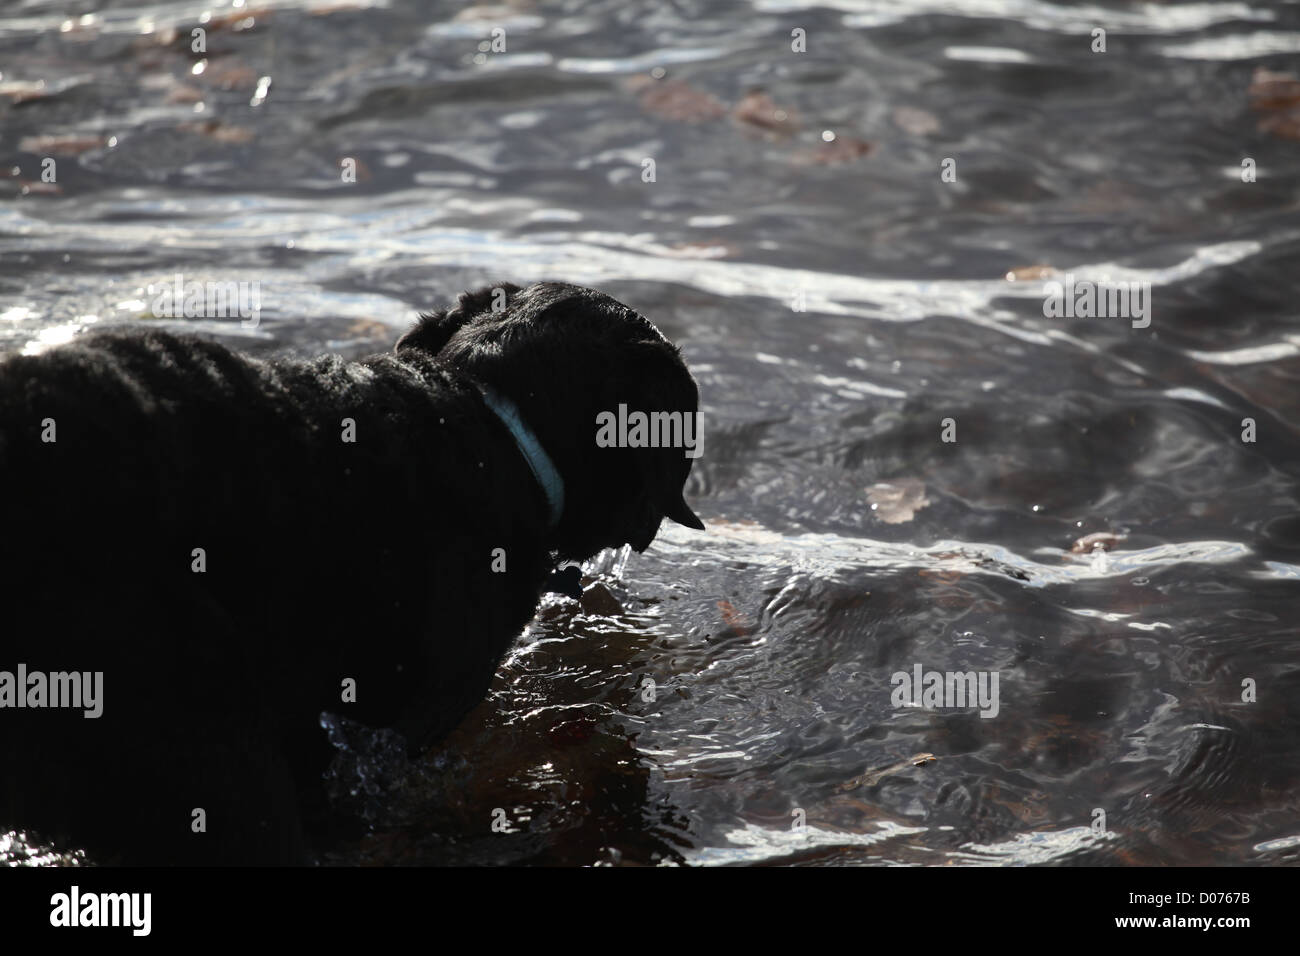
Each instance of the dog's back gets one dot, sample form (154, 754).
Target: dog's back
(237, 546)
(193, 525)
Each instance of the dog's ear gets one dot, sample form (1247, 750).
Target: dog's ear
(430, 333)
(435, 329)
(667, 385)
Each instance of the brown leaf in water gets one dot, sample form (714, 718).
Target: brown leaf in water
(918, 122)
(184, 93)
(943, 577)
(1278, 96)
(24, 91)
(1285, 125)
(897, 501)
(757, 109)
(1271, 90)
(61, 144)
(229, 75)
(1023, 273)
(872, 777)
(34, 187)
(220, 132)
(1031, 811)
(677, 100)
(841, 150)
(734, 619)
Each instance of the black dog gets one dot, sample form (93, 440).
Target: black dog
(238, 546)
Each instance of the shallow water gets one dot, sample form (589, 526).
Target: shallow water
(847, 541)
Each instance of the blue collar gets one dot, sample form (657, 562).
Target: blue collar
(539, 463)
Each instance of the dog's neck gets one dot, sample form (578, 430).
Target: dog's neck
(539, 462)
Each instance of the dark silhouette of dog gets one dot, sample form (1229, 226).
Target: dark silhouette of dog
(239, 545)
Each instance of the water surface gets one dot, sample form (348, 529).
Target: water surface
(715, 699)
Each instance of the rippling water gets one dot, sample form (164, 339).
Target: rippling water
(727, 697)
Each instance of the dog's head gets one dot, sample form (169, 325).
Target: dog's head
(569, 357)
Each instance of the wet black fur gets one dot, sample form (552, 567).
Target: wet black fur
(325, 560)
